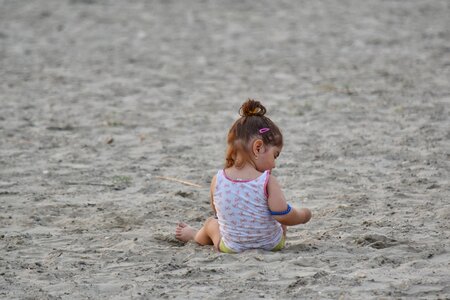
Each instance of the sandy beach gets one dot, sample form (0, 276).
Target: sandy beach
(102, 101)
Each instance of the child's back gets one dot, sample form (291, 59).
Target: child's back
(243, 213)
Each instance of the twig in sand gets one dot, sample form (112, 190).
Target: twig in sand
(88, 183)
(179, 180)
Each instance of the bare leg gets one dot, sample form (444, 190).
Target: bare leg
(209, 234)
(284, 229)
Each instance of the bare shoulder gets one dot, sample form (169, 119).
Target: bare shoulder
(212, 189)
(273, 186)
(273, 181)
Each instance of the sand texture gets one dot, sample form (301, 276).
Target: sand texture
(99, 99)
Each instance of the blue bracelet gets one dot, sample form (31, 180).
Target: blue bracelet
(281, 213)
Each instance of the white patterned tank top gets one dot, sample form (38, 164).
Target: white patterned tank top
(243, 213)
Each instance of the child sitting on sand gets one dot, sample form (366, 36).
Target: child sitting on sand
(251, 210)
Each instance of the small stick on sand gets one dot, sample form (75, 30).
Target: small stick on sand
(88, 183)
(179, 180)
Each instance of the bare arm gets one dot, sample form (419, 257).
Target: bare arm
(212, 189)
(277, 203)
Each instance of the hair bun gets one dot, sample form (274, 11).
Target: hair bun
(252, 108)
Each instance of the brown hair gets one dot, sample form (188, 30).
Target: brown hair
(246, 128)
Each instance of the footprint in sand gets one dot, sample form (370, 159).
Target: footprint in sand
(376, 241)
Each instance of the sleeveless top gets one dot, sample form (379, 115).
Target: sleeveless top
(243, 213)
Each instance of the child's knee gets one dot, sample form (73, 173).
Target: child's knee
(212, 230)
(209, 220)
(212, 227)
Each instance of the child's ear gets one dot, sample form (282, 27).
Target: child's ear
(257, 147)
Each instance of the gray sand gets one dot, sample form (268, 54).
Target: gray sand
(99, 98)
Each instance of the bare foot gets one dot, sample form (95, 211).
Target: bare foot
(184, 232)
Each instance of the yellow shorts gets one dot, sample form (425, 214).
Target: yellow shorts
(224, 249)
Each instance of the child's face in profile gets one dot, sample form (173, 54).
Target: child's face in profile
(267, 157)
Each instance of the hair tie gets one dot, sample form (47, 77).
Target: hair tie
(263, 130)
(254, 112)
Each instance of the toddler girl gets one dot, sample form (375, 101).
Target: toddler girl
(250, 208)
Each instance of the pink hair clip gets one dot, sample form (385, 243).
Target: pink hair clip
(263, 130)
